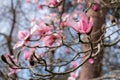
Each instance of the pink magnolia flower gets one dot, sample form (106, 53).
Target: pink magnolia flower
(91, 61)
(23, 35)
(84, 25)
(53, 3)
(74, 64)
(41, 28)
(50, 39)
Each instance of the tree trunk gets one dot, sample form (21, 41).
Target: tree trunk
(88, 70)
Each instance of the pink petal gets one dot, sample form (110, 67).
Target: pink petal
(90, 25)
(50, 40)
(53, 3)
(23, 35)
(28, 1)
(74, 64)
(91, 61)
(95, 7)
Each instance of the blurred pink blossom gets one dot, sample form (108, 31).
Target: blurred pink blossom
(40, 28)
(67, 50)
(50, 39)
(91, 61)
(95, 7)
(84, 25)
(26, 55)
(53, 3)
(28, 1)
(23, 35)
(74, 64)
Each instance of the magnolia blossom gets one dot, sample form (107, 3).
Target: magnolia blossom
(91, 61)
(74, 64)
(52, 3)
(49, 40)
(40, 28)
(23, 36)
(84, 25)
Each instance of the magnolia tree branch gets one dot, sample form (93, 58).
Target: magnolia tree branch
(62, 30)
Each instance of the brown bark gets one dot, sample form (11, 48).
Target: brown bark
(88, 70)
